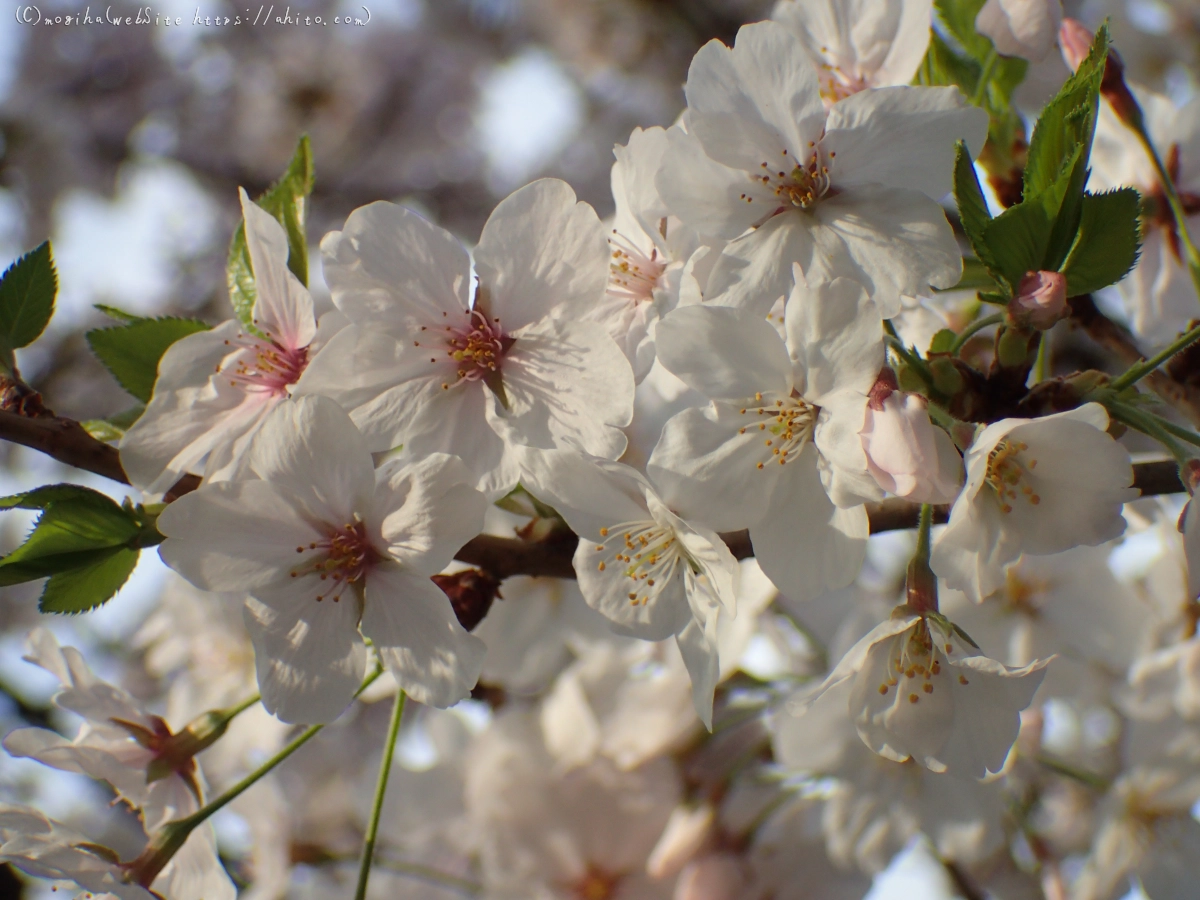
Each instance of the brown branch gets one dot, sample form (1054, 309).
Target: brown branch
(67, 441)
(1118, 341)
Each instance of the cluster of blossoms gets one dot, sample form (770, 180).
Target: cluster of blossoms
(722, 357)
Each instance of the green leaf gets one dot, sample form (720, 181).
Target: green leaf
(972, 206)
(286, 200)
(1106, 246)
(27, 291)
(943, 66)
(87, 587)
(1067, 122)
(114, 427)
(942, 342)
(959, 18)
(72, 531)
(1017, 240)
(43, 497)
(119, 314)
(132, 352)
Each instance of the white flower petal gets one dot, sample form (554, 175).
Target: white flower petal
(310, 659)
(707, 195)
(433, 659)
(283, 309)
(723, 352)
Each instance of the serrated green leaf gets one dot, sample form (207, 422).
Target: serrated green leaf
(27, 291)
(1067, 122)
(1107, 243)
(119, 314)
(972, 206)
(87, 587)
(1017, 240)
(42, 497)
(942, 342)
(132, 352)
(286, 200)
(942, 66)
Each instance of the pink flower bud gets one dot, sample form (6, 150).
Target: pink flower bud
(1075, 40)
(1041, 300)
(718, 877)
(1024, 28)
(907, 454)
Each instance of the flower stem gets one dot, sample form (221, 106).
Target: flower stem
(977, 325)
(913, 361)
(167, 840)
(920, 582)
(234, 711)
(1168, 187)
(1140, 370)
(1150, 424)
(385, 769)
(985, 78)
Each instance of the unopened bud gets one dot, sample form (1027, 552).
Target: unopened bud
(1041, 300)
(1024, 28)
(947, 380)
(907, 454)
(1075, 41)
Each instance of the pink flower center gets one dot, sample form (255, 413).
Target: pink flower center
(265, 366)
(344, 557)
(795, 183)
(478, 347)
(632, 275)
(837, 84)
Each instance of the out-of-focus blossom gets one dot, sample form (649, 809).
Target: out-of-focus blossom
(1024, 28)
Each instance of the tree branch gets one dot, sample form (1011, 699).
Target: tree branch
(66, 440)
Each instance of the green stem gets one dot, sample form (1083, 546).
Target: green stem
(1168, 187)
(385, 769)
(1042, 363)
(234, 711)
(985, 77)
(1140, 370)
(168, 839)
(1147, 424)
(970, 330)
(924, 527)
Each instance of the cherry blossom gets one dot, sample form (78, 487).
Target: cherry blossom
(324, 544)
(859, 44)
(918, 690)
(778, 449)
(423, 368)
(850, 193)
(215, 388)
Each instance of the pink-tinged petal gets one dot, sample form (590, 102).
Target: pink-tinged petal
(568, 385)
(724, 353)
(902, 137)
(310, 659)
(749, 104)
(425, 509)
(843, 462)
(804, 543)
(433, 659)
(710, 197)
(283, 309)
(311, 449)
(541, 252)
(235, 536)
(389, 269)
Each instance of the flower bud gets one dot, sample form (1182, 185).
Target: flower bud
(1024, 28)
(907, 454)
(1075, 41)
(1041, 300)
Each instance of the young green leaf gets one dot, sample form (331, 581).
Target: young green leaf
(972, 206)
(942, 342)
(1067, 122)
(1107, 243)
(87, 587)
(114, 427)
(27, 291)
(119, 314)
(132, 352)
(286, 200)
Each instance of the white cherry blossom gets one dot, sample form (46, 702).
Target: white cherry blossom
(423, 368)
(215, 388)
(324, 544)
(778, 450)
(853, 192)
(919, 691)
(859, 44)
(1023, 28)
(1037, 486)
(651, 573)
(656, 261)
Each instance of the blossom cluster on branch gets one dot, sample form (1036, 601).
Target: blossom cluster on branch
(778, 338)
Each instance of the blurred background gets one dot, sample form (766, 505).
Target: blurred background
(125, 146)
